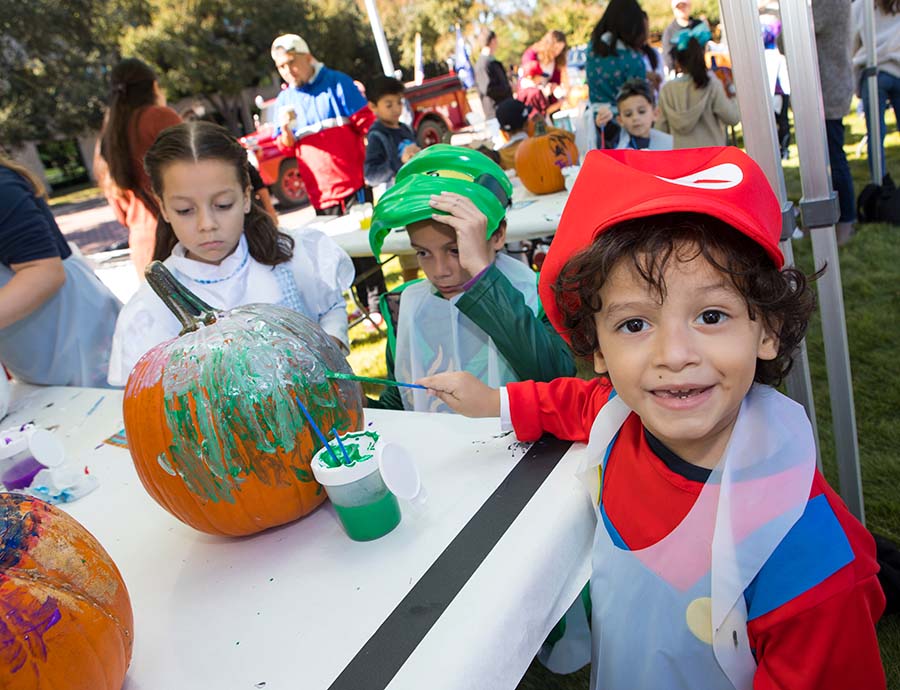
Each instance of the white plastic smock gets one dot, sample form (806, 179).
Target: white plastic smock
(311, 283)
(434, 336)
(672, 616)
(66, 341)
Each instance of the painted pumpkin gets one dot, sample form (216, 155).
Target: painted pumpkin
(212, 419)
(65, 615)
(541, 158)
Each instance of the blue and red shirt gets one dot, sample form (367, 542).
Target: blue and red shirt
(813, 606)
(332, 120)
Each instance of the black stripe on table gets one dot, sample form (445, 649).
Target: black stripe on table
(379, 660)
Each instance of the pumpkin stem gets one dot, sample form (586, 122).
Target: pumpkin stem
(540, 127)
(189, 309)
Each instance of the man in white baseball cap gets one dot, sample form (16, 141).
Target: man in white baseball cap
(323, 121)
(683, 20)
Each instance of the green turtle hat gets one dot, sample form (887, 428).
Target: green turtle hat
(441, 168)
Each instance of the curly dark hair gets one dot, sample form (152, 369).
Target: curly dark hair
(197, 141)
(782, 298)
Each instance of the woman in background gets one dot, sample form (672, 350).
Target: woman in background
(137, 114)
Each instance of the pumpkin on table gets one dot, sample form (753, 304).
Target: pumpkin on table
(65, 616)
(212, 419)
(541, 158)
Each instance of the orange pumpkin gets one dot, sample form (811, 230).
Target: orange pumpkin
(541, 158)
(212, 419)
(65, 615)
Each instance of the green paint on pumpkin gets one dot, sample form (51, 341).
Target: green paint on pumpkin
(232, 386)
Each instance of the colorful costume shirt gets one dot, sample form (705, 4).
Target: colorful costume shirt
(813, 606)
(332, 120)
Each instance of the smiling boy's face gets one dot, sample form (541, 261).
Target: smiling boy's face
(685, 362)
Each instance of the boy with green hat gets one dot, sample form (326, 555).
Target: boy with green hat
(478, 309)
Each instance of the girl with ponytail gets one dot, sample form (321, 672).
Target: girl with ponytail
(137, 114)
(694, 107)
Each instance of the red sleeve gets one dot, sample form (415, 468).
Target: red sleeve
(564, 407)
(825, 638)
(362, 119)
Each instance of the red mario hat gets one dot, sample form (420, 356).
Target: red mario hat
(618, 185)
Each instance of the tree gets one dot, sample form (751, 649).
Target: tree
(435, 20)
(53, 62)
(216, 48)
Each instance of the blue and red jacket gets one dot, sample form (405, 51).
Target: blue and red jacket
(813, 606)
(332, 121)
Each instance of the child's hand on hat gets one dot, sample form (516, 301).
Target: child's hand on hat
(464, 393)
(470, 225)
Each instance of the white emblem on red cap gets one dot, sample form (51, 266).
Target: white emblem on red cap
(724, 176)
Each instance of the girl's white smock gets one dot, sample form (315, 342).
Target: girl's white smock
(311, 283)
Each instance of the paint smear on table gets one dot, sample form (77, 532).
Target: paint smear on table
(117, 439)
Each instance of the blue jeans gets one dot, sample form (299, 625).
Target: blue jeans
(888, 90)
(841, 179)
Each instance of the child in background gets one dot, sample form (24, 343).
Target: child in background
(389, 143)
(512, 115)
(223, 247)
(637, 111)
(694, 107)
(478, 309)
(722, 559)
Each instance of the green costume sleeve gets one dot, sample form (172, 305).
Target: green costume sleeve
(530, 345)
(390, 398)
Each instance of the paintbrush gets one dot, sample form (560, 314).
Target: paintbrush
(370, 379)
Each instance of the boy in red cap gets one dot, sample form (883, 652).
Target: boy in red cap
(722, 558)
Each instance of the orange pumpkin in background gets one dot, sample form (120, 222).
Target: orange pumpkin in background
(65, 615)
(212, 419)
(541, 158)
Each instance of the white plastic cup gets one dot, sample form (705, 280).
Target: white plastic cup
(364, 494)
(26, 451)
(364, 505)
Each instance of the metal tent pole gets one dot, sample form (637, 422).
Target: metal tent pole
(873, 117)
(821, 210)
(387, 64)
(745, 46)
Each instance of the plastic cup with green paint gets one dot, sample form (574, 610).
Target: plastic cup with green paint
(365, 507)
(359, 490)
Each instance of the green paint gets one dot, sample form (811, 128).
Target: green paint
(233, 384)
(370, 379)
(372, 520)
(360, 446)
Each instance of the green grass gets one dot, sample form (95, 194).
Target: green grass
(871, 285)
(77, 194)
(367, 348)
